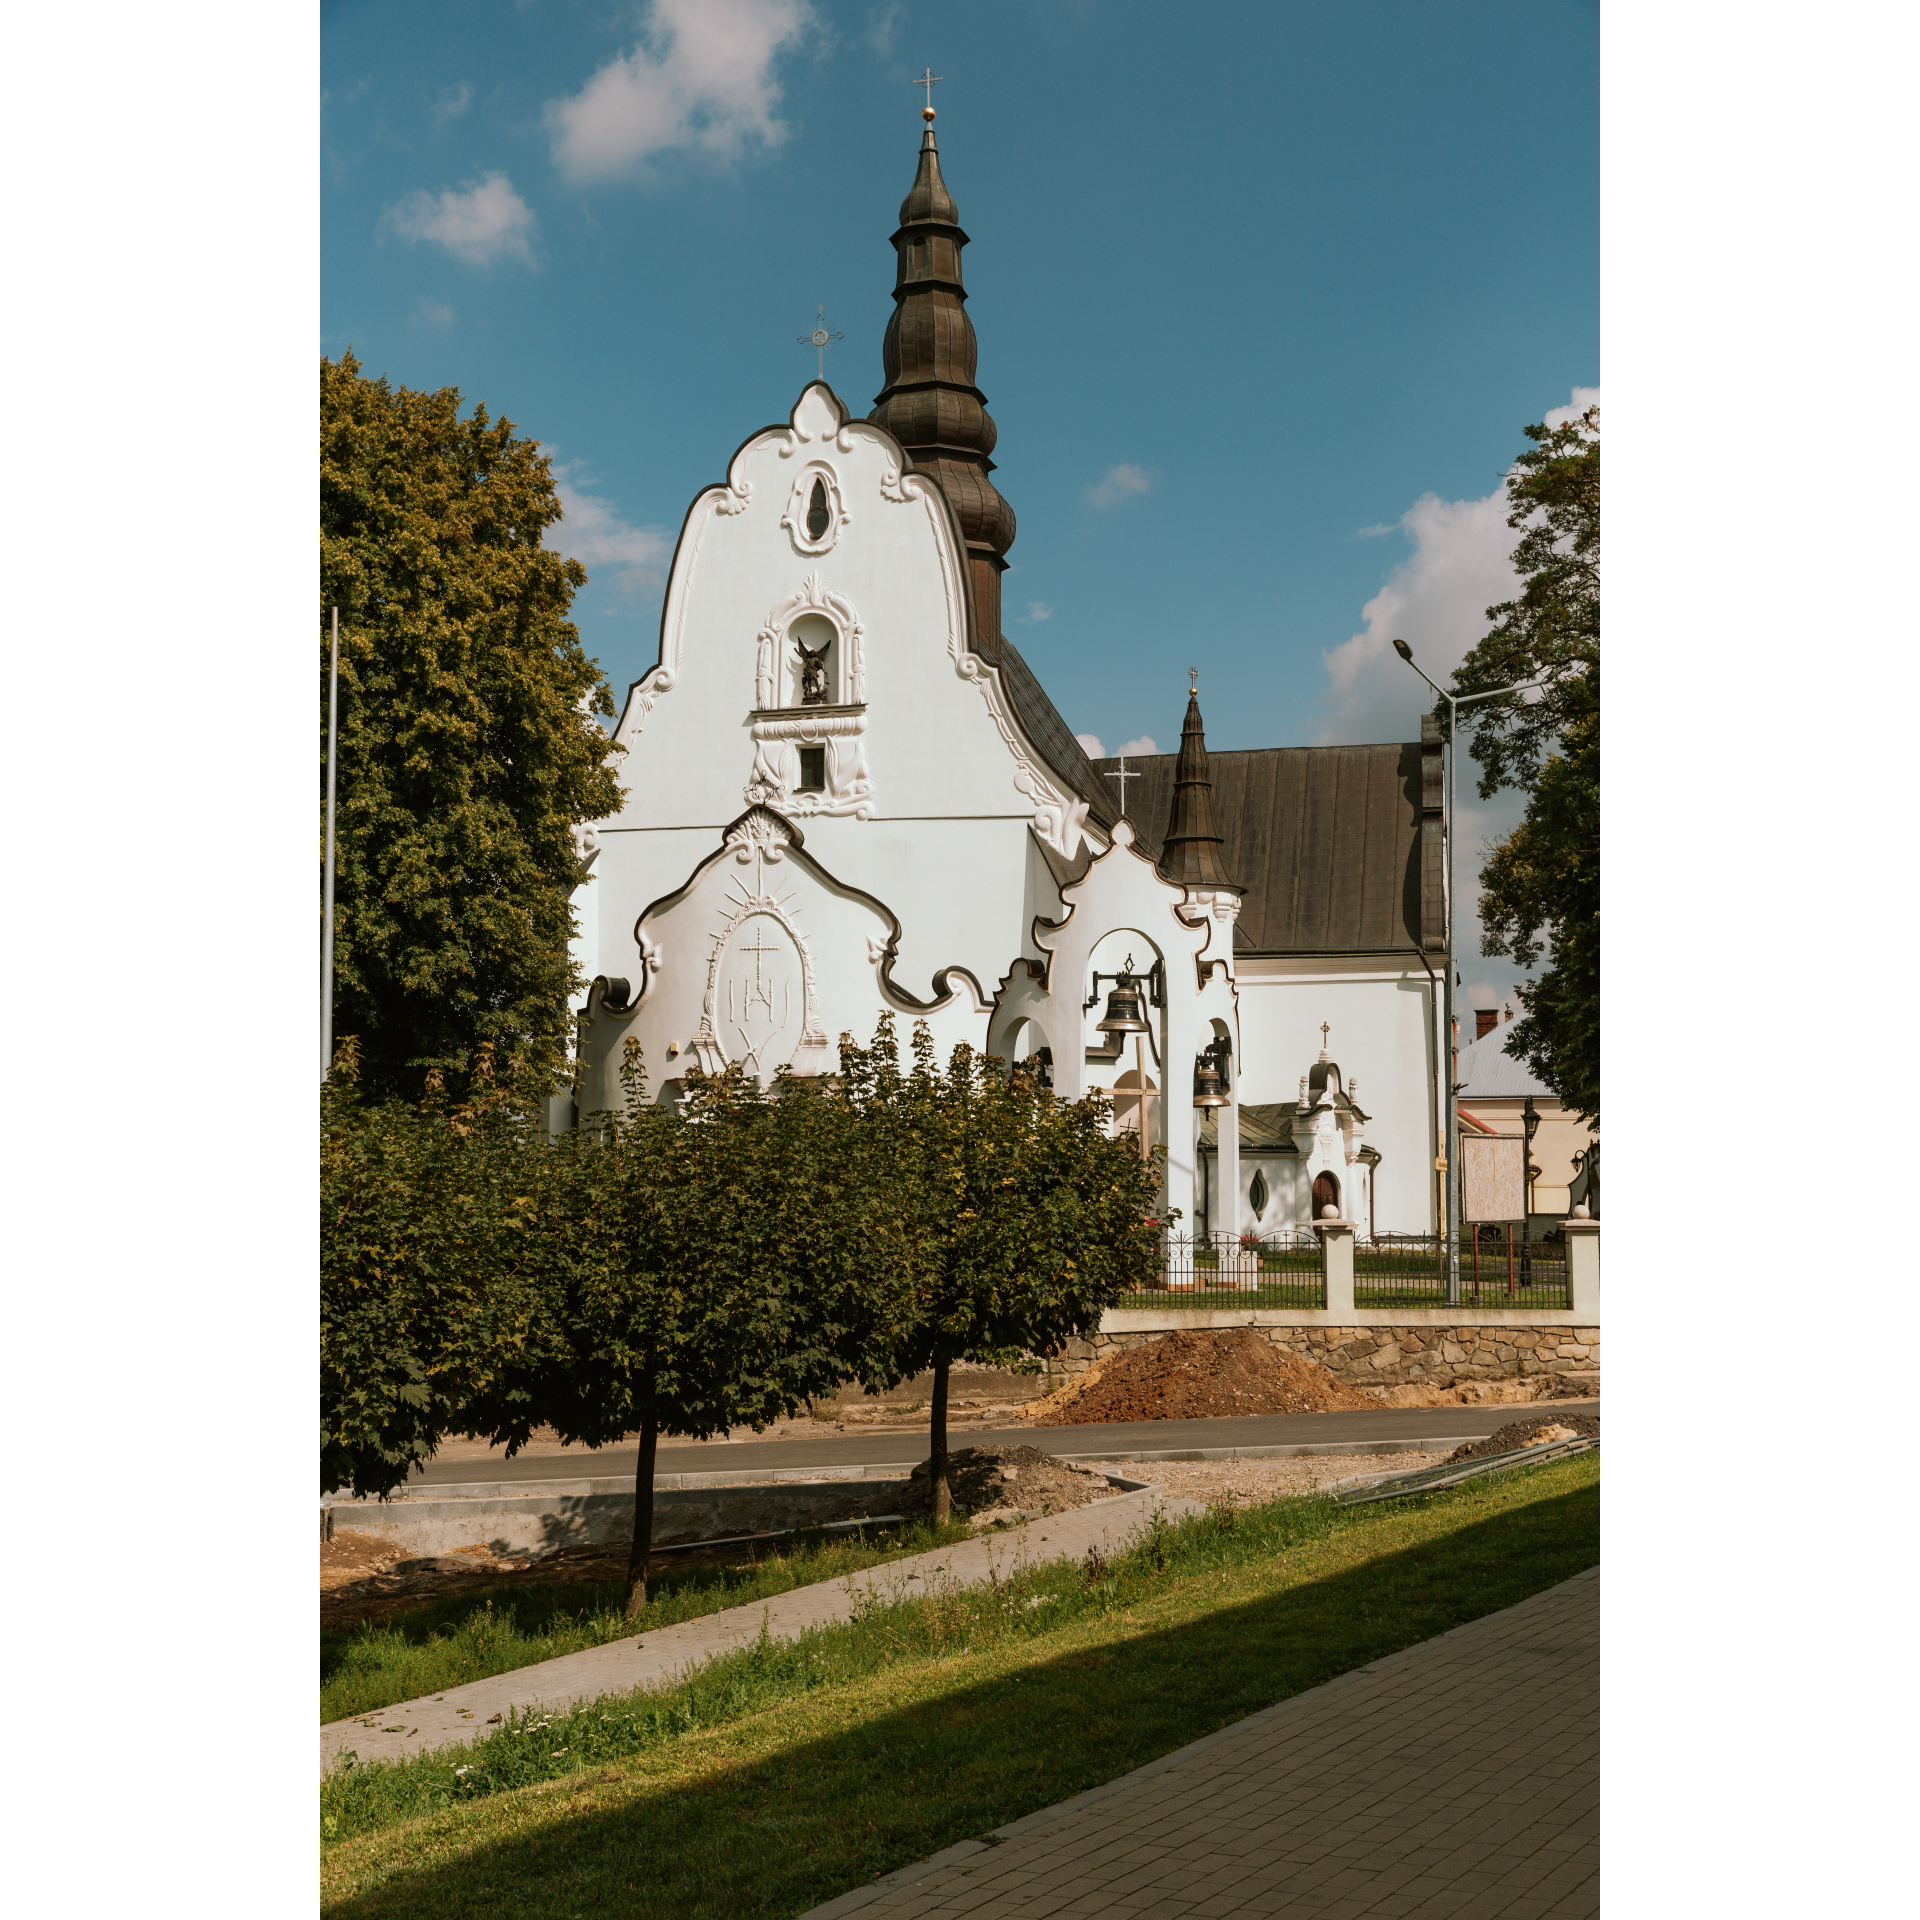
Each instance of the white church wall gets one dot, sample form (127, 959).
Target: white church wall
(932, 796)
(1379, 1020)
(891, 578)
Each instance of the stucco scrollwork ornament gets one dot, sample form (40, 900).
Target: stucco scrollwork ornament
(586, 842)
(777, 739)
(735, 498)
(758, 837)
(816, 508)
(895, 485)
(766, 669)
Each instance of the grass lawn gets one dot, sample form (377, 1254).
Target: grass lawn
(790, 1772)
(446, 1643)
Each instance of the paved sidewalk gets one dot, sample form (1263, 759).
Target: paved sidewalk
(462, 1713)
(1459, 1778)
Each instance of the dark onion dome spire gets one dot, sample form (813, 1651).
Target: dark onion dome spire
(930, 404)
(1190, 853)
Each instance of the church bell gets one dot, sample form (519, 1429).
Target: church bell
(1123, 1007)
(1209, 1085)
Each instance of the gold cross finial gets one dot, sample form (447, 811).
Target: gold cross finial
(1193, 679)
(1324, 1031)
(929, 80)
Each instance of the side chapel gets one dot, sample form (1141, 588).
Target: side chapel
(847, 791)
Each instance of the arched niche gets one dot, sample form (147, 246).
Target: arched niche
(1109, 1053)
(1025, 1045)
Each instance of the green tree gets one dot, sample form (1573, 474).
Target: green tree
(467, 750)
(1541, 885)
(727, 1265)
(430, 1220)
(1022, 1217)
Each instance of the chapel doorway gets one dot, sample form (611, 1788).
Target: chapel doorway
(1326, 1193)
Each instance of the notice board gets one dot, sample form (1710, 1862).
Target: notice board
(1493, 1176)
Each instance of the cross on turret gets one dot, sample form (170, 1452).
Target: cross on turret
(929, 80)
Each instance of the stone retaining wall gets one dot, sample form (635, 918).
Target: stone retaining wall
(1395, 1356)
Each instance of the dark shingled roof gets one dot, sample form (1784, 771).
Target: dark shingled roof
(1044, 727)
(1324, 839)
(1263, 1128)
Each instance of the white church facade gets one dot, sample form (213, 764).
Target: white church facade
(845, 791)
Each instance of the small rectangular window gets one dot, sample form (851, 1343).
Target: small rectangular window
(813, 770)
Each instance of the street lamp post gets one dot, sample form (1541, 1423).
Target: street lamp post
(1452, 1148)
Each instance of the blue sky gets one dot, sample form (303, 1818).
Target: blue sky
(1265, 294)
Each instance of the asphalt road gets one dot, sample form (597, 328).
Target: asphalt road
(1112, 1441)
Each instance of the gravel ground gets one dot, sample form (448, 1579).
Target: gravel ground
(1246, 1482)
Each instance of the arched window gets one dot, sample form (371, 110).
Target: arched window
(818, 516)
(1257, 1193)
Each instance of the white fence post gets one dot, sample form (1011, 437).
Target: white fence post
(1583, 1265)
(1336, 1262)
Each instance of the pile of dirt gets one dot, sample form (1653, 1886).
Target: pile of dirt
(1530, 1433)
(989, 1481)
(1200, 1376)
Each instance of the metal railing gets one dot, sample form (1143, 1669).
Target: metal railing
(1281, 1269)
(1400, 1270)
(1499, 1267)
(1499, 1264)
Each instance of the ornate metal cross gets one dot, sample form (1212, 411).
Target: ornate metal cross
(821, 338)
(1324, 1031)
(1193, 679)
(1123, 776)
(929, 80)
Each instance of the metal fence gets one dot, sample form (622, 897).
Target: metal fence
(1400, 1270)
(1216, 1270)
(1498, 1267)
(1498, 1264)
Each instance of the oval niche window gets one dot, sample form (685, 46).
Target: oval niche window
(819, 518)
(1257, 1193)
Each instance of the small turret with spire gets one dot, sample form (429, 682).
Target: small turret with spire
(1190, 855)
(930, 404)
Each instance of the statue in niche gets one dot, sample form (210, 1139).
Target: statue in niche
(813, 673)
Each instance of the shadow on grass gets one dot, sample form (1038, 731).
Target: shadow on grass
(763, 1839)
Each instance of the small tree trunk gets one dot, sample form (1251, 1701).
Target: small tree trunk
(937, 1466)
(639, 1553)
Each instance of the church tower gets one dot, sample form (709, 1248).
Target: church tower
(1190, 855)
(930, 404)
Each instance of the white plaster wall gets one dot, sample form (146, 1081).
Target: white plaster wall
(955, 793)
(1380, 1021)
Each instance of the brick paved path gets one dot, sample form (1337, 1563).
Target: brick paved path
(1460, 1779)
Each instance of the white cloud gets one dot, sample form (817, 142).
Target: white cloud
(1376, 532)
(1037, 610)
(1583, 398)
(451, 102)
(592, 533)
(1436, 600)
(482, 222)
(883, 28)
(1090, 743)
(1117, 483)
(432, 313)
(703, 78)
